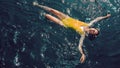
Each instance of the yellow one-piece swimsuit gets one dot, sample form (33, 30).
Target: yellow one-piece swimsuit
(75, 24)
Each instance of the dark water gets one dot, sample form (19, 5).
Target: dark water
(29, 40)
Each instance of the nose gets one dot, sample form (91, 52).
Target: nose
(93, 32)
(96, 32)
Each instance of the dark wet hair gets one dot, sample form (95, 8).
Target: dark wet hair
(92, 37)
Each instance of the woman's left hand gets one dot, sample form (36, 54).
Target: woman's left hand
(82, 59)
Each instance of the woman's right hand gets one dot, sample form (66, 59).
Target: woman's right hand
(108, 15)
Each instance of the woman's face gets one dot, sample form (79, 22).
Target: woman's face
(93, 31)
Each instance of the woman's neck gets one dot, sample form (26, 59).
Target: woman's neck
(86, 29)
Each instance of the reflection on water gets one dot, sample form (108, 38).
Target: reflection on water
(29, 40)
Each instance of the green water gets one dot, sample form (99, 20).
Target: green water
(29, 40)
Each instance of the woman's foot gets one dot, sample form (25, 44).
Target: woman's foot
(35, 3)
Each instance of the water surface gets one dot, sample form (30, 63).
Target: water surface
(29, 40)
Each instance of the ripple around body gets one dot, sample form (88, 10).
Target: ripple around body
(29, 40)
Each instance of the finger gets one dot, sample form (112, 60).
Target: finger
(81, 58)
(82, 61)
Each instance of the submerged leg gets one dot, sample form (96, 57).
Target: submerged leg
(59, 14)
(54, 19)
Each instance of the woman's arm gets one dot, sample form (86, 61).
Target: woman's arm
(82, 59)
(98, 19)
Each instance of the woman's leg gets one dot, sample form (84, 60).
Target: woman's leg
(54, 19)
(59, 14)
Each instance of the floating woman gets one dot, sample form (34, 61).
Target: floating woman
(84, 29)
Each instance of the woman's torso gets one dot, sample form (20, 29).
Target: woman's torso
(75, 24)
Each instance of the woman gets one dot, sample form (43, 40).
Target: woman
(84, 29)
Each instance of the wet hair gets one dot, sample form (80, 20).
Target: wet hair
(92, 37)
